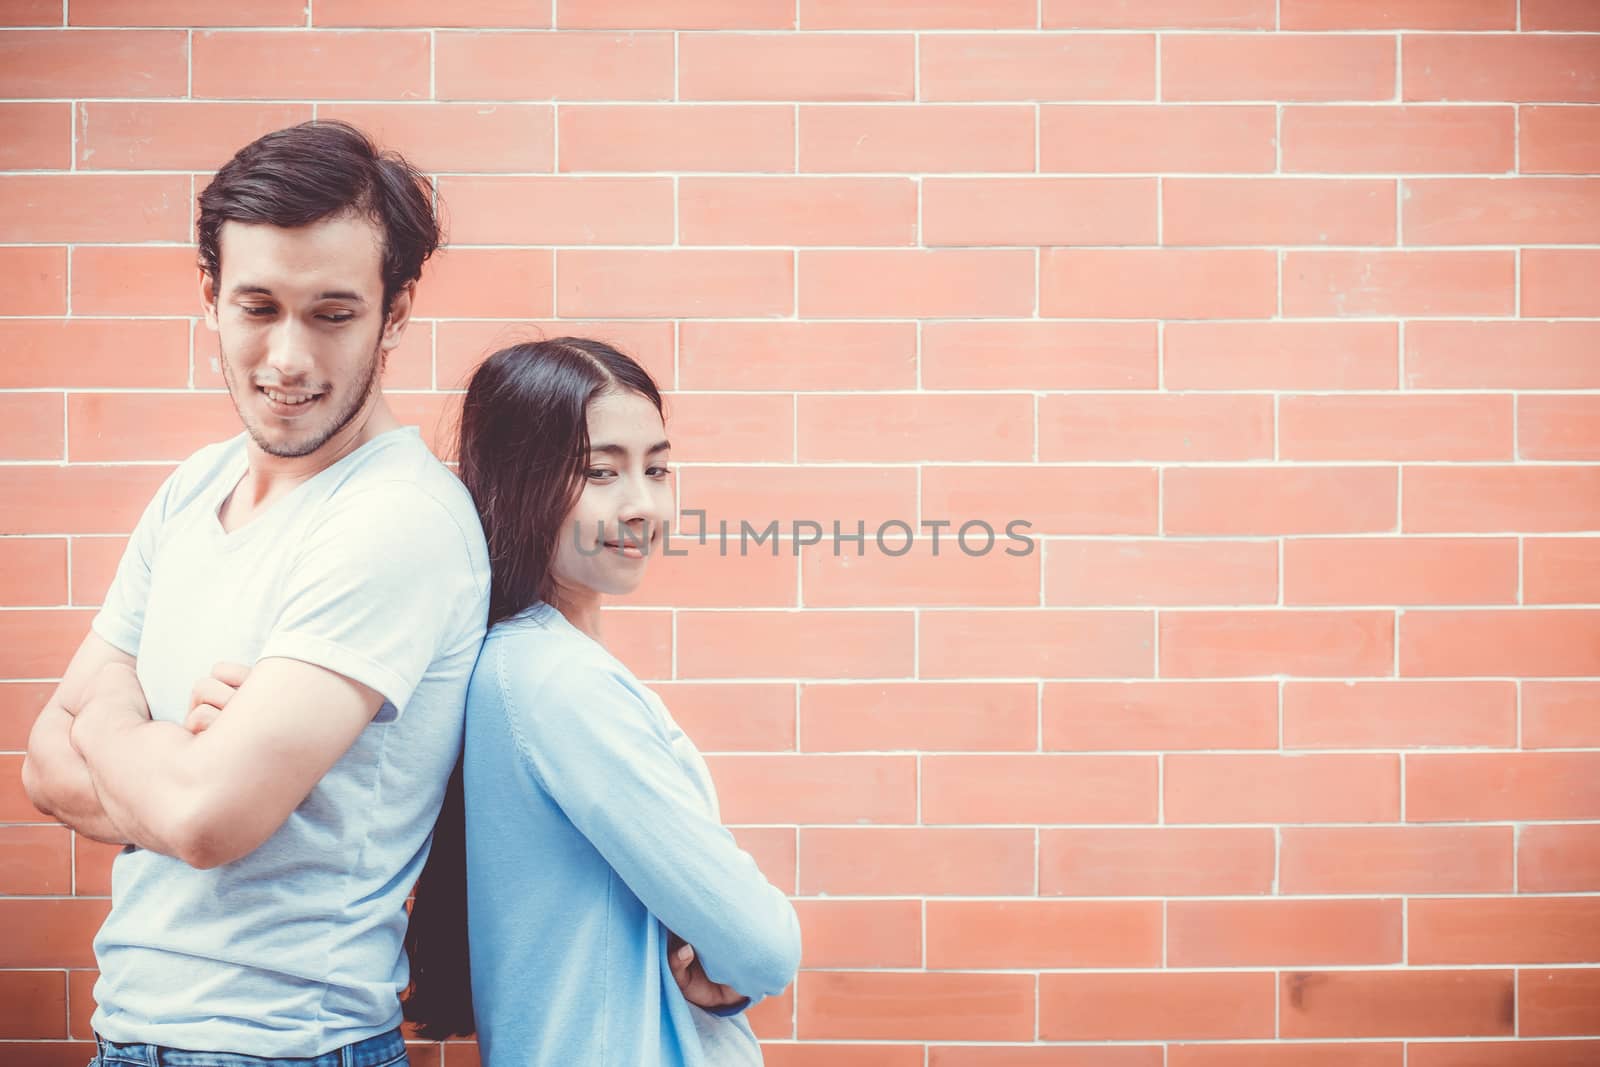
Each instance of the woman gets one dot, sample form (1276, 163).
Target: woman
(604, 893)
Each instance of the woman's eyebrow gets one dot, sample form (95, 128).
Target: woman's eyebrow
(619, 450)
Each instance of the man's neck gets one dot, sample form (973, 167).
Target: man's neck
(268, 477)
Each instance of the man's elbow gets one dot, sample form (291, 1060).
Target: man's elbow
(204, 837)
(33, 785)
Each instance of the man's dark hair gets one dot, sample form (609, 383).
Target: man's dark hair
(317, 170)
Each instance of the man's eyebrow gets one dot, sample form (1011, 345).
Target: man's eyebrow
(329, 294)
(618, 450)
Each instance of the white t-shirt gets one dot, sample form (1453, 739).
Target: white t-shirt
(375, 568)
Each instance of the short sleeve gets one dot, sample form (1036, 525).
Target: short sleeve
(120, 620)
(381, 586)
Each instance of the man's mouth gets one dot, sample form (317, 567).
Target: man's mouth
(287, 402)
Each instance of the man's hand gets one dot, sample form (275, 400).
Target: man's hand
(212, 693)
(114, 698)
(696, 988)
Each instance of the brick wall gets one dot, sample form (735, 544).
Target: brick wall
(1278, 319)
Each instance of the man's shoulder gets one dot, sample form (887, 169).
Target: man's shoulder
(200, 472)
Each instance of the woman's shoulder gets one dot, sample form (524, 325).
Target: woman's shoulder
(538, 654)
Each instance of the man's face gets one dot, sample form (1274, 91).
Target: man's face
(299, 313)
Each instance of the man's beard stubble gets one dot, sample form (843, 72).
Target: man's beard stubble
(293, 450)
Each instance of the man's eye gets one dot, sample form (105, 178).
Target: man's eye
(336, 318)
(257, 311)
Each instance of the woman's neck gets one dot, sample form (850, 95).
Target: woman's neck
(580, 607)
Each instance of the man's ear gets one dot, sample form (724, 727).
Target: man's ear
(394, 326)
(208, 298)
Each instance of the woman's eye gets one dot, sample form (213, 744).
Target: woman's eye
(659, 472)
(599, 473)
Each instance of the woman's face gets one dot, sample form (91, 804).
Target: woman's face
(620, 517)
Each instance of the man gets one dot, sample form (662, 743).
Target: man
(258, 907)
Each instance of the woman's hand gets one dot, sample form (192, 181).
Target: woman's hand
(697, 989)
(212, 693)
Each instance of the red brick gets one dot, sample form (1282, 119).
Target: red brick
(135, 280)
(641, 639)
(737, 717)
(1289, 1054)
(1496, 499)
(835, 66)
(1399, 139)
(846, 495)
(426, 14)
(1399, 714)
(1274, 788)
(1281, 355)
(459, 137)
(1159, 716)
(54, 500)
(1558, 859)
(48, 1053)
(917, 14)
(825, 1054)
(1039, 355)
(553, 66)
(140, 427)
(676, 137)
(1038, 211)
(1560, 715)
(1284, 933)
(916, 283)
(1407, 570)
(1404, 15)
(1386, 284)
(1558, 427)
(49, 208)
(1559, 139)
(1396, 859)
(768, 789)
(886, 861)
(1512, 67)
(1561, 570)
(1160, 573)
(1161, 14)
(1109, 427)
(1576, 15)
(1543, 643)
(315, 64)
(1023, 643)
(38, 863)
(78, 63)
(37, 643)
(31, 13)
(861, 933)
(1558, 1003)
(38, 136)
(920, 716)
(50, 933)
(912, 428)
(1158, 283)
(1116, 1007)
(1483, 211)
(33, 569)
(1157, 138)
(923, 575)
(1156, 862)
(1514, 355)
(924, 1006)
(1039, 789)
(1277, 67)
(1036, 66)
(1277, 211)
(1053, 500)
(928, 138)
(797, 211)
(1504, 930)
(1521, 1053)
(19, 705)
(787, 644)
(1553, 281)
(174, 134)
(31, 426)
(1249, 501)
(1397, 1004)
(558, 210)
(728, 428)
(681, 282)
(1459, 786)
(1043, 933)
(487, 283)
(1459, 428)
(184, 13)
(797, 355)
(33, 1004)
(676, 14)
(1219, 644)
(774, 849)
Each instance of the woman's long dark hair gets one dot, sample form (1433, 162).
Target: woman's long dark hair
(523, 448)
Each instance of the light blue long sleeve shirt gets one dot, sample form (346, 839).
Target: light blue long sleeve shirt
(592, 830)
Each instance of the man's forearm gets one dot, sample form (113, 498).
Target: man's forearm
(58, 782)
(139, 772)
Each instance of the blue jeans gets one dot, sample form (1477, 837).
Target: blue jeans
(385, 1050)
